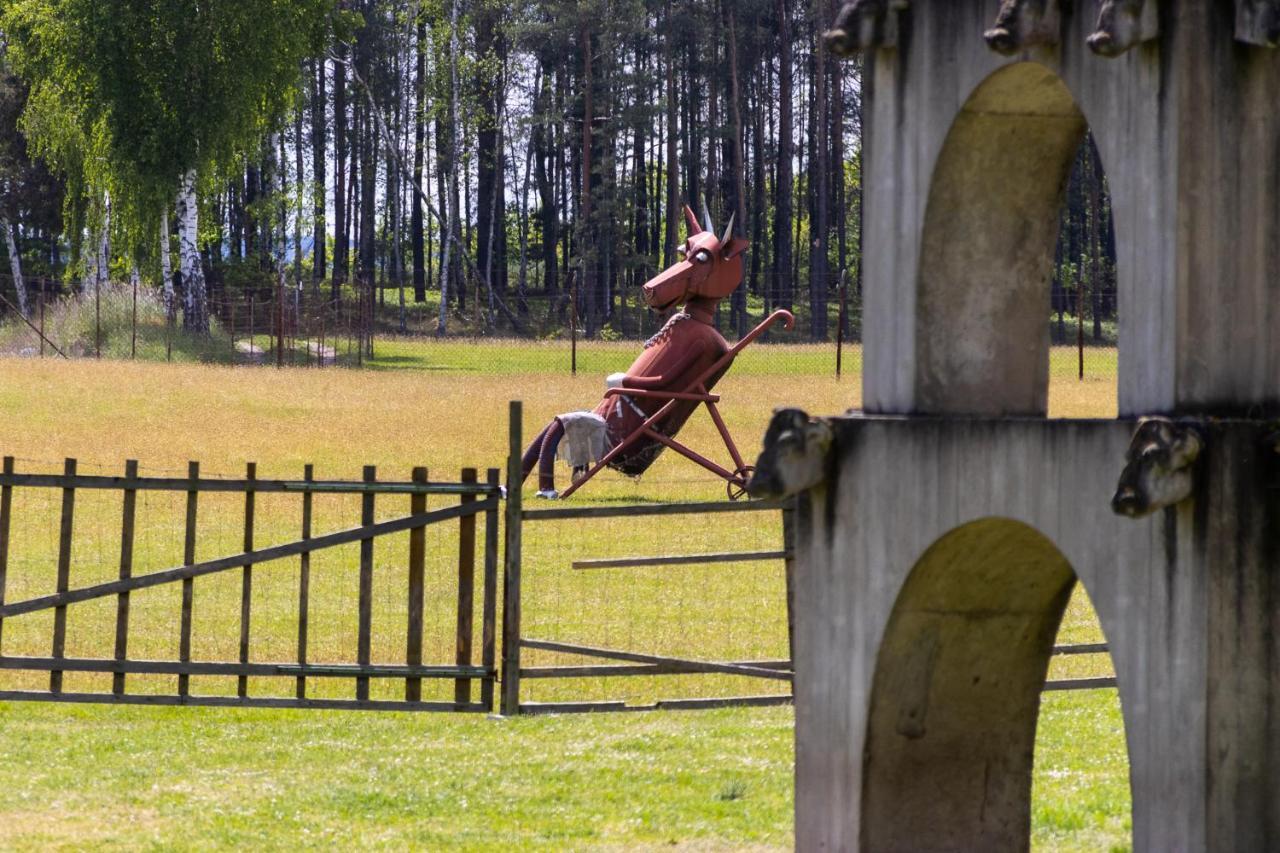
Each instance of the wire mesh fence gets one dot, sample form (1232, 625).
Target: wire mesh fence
(387, 326)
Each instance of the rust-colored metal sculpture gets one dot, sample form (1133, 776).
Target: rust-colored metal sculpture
(645, 407)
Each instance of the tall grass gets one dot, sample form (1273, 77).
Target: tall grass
(103, 322)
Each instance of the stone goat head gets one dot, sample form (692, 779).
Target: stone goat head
(795, 455)
(1159, 467)
(1024, 23)
(1122, 25)
(1258, 22)
(864, 25)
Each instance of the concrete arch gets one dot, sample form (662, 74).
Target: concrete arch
(956, 691)
(987, 247)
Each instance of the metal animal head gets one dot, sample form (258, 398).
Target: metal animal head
(712, 267)
(794, 458)
(1258, 22)
(1159, 467)
(1123, 24)
(1022, 24)
(864, 25)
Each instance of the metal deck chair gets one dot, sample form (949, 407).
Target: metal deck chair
(736, 479)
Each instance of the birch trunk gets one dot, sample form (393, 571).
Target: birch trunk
(195, 309)
(104, 244)
(15, 264)
(166, 265)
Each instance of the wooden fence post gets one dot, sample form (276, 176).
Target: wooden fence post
(417, 589)
(304, 581)
(188, 584)
(130, 503)
(246, 579)
(488, 633)
(65, 529)
(511, 569)
(466, 592)
(366, 587)
(6, 513)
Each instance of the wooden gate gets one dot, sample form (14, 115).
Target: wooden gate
(473, 500)
(613, 572)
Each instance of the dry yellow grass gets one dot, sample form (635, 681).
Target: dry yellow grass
(263, 779)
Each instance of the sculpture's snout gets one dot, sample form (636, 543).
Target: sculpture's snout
(1128, 500)
(1001, 41)
(840, 42)
(1103, 44)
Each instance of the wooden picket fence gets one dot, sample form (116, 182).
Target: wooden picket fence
(474, 500)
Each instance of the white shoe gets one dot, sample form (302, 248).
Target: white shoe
(548, 494)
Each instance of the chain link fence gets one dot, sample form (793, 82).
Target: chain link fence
(388, 327)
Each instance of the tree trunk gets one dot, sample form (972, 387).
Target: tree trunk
(490, 177)
(15, 263)
(166, 267)
(739, 301)
(783, 283)
(195, 313)
(419, 145)
(819, 176)
(672, 212)
(319, 228)
(544, 174)
(298, 185)
(102, 267)
(451, 176)
(341, 252)
(584, 214)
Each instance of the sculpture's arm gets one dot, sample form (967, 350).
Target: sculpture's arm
(670, 374)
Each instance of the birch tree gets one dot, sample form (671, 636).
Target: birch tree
(161, 93)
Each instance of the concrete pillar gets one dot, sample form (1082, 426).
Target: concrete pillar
(932, 573)
(964, 149)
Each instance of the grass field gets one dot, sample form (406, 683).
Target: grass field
(127, 777)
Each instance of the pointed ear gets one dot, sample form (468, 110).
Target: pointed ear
(692, 218)
(736, 247)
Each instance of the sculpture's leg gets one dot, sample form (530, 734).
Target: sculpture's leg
(532, 452)
(548, 442)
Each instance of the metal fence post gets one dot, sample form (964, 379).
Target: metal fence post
(573, 326)
(511, 569)
(844, 292)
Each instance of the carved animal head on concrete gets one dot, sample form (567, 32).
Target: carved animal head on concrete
(1122, 25)
(794, 459)
(1159, 467)
(1022, 24)
(864, 25)
(1258, 22)
(711, 268)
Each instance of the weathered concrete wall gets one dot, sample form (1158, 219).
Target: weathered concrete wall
(934, 564)
(933, 572)
(963, 181)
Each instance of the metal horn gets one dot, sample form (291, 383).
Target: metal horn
(692, 219)
(706, 217)
(728, 232)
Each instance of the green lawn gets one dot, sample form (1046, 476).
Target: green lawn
(131, 777)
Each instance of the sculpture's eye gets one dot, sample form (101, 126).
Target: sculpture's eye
(703, 256)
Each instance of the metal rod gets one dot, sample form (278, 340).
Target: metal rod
(686, 560)
(612, 654)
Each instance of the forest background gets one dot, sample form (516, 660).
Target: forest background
(471, 162)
